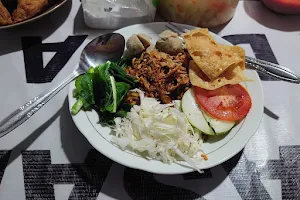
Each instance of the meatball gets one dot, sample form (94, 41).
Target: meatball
(168, 33)
(169, 45)
(137, 44)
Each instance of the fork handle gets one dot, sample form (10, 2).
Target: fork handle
(24, 112)
(272, 70)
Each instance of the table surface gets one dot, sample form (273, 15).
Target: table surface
(48, 158)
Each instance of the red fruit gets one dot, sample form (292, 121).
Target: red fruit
(283, 6)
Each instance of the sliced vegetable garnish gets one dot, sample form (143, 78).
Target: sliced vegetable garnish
(159, 130)
(229, 103)
(194, 113)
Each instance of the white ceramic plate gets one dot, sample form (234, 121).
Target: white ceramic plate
(217, 151)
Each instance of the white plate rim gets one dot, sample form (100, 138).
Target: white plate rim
(237, 143)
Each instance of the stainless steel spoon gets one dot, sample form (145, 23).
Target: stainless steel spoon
(103, 48)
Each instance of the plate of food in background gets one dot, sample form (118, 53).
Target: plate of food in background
(172, 104)
(17, 12)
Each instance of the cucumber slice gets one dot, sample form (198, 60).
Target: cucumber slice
(194, 114)
(219, 126)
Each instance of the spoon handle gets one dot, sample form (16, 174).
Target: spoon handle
(24, 112)
(273, 70)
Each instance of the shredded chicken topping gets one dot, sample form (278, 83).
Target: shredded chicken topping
(161, 75)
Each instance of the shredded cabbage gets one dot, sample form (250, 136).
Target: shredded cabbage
(159, 130)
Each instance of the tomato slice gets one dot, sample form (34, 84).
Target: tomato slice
(229, 103)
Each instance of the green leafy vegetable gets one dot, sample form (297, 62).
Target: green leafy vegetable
(155, 3)
(109, 117)
(121, 91)
(86, 86)
(77, 106)
(104, 88)
(120, 75)
(123, 62)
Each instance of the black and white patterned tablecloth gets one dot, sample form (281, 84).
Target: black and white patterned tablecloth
(47, 158)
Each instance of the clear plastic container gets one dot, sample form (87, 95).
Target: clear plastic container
(202, 13)
(113, 14)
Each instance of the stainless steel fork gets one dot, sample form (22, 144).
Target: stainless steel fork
(265, 67)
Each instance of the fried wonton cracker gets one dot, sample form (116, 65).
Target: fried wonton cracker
(212, 58)
(233, 75)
